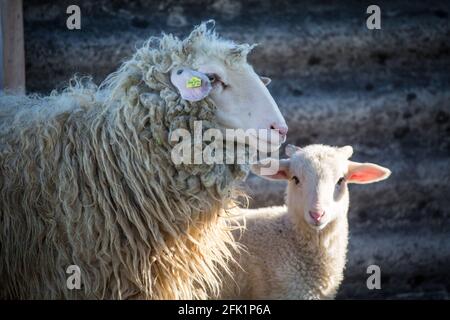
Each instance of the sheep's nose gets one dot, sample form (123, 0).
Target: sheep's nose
(316, 215)
(281, 128)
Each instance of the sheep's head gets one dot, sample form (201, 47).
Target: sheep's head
(202, 70)
(318, 176)
(218, 69)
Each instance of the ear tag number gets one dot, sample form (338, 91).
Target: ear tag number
(194, 82)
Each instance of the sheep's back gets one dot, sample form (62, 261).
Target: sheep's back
(40, 180)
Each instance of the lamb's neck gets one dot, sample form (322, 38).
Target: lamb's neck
(330, 239)
(324, 250)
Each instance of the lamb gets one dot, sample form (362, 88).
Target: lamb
(87, 178)
(299, 252)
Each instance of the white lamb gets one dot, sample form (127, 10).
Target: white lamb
(299, 252)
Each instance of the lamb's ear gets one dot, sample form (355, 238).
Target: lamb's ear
(346, 151)
(366, 172)
(266, 80)
(192, 85)
(272, 169)
(291, 149)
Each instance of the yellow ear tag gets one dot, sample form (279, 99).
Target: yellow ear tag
(194, 82)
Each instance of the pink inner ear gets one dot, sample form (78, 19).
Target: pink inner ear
(280, 175)
(365, 174)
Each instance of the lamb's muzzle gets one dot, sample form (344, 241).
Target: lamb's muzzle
(316, 215)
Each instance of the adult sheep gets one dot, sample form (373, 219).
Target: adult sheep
(87, 179)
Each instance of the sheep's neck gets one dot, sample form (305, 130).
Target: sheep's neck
(182, 206)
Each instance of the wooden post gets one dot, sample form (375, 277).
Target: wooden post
(12, 54)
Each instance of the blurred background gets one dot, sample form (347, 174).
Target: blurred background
(385, 92)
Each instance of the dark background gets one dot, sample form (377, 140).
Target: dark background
(385, 92)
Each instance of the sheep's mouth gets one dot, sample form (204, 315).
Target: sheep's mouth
(257, 142)
(316, 225)
(265, 144)
(269, 141)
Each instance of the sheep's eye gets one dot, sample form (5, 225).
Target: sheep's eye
(212, 77)
(342, 179)
(295, 179)
(215, 79)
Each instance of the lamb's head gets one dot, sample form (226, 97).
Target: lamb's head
(318, 176)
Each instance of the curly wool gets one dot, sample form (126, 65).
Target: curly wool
(86, 179)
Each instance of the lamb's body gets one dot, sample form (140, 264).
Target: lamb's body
(282, 261)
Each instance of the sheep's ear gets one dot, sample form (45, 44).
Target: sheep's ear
(266, 80)
(192, 85)
(366, 172)
(346, 151)
(291, 149)
(272, 169)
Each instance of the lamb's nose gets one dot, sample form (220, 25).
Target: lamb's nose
(281, 128)
(316, 215)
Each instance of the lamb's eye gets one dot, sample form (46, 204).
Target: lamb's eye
(340, 181)
(295, 179)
